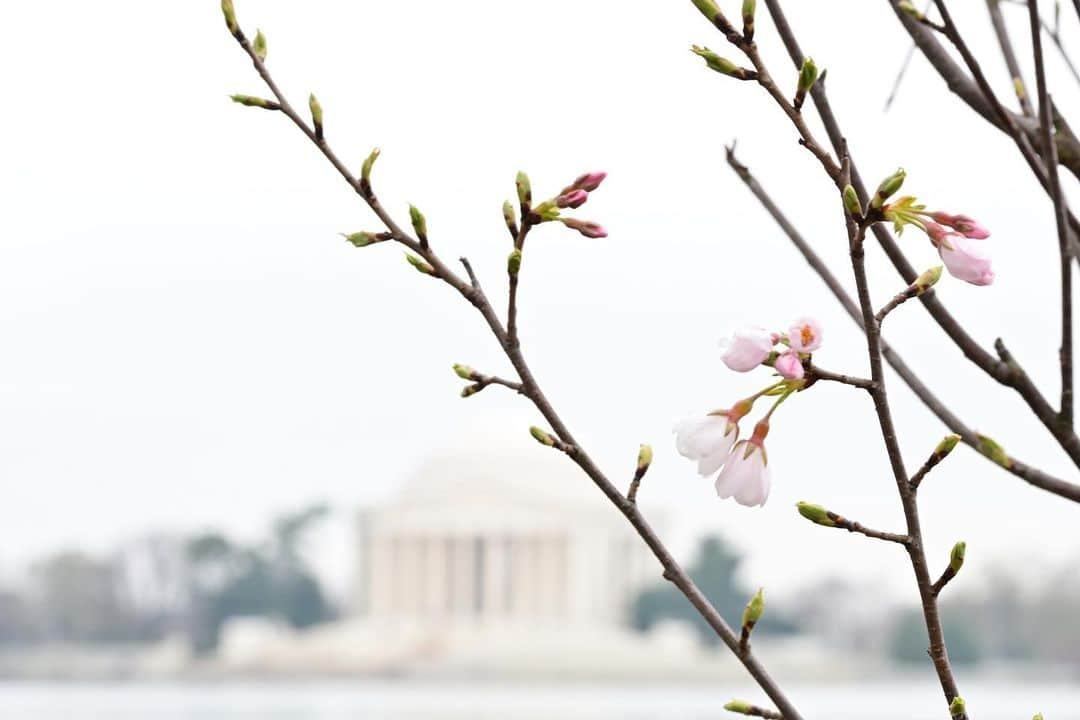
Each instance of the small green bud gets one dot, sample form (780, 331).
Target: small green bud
(1038, 716)
(815, 514)
(259, 45)
(749, 7)
(369, 162)
(721, 64)
(419, 223)
(956, 707)
(316, 115)
(927, 280)
(956, 557)
(419, 264)
(542, 437)
(252, 101)
(229, 11)
(1018, 86)
(851, 201)
(463, 371)
(470, 390)
(739, 706)
(708, 8)
(513, 263)
(644, 459)
(524, 189)
(510, 216)
(808, 75)
(911, 10)
(991, 449)
(754, 609)
(946, 446)
(361, 239)
(888, 188)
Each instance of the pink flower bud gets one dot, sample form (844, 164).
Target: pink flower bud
(747, 348)
(936, 233)
(572, 199)
(966, 260)
(789, 365)
(805, 335)
(967, 226)
(587, 182)
(746, 474)
(586, 227)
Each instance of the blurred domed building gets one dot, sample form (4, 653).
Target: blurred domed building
(499, 531)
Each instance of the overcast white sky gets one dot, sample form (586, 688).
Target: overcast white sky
(186, 342)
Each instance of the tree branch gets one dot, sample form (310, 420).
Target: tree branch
(531, 389)
(1001, 30)
(1065, 353)
(1032, 475)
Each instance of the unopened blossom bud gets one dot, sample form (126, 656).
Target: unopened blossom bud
(470, 390)
(644, 460)
(419, 223)
(258, 45)
(816, 514)
(513, 262)
(746, 475)
(747, 348)
(789, 365)
(927, 280)
(851, 201)
(586, 181)
(808, 75)
(420, 264)
(252, 101)
(754, 609)
(946, 446)
(967, 226)
(510, 217)
(956, 557)
(362, 238)
(542, 437)
(1037, 716)
(524, 189)
(911, 10)
(572, 199)
(805, 335)
(957, 707)
(708, 439)
(586, 227)
(722, 65)
(991, 449)
(229, 12)
(888, 188)
(365, 170)
(708, 8)
(748, 9)
(966, 259)
(316, 115)
(739, 706)
(464, 371)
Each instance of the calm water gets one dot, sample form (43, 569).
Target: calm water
(389, 701)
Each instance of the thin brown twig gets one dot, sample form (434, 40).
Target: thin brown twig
(1001, 30)
(564, 441)
(815, 373)
(942, 581)
(1065, 353)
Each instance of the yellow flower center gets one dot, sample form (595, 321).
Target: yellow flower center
(807, 335)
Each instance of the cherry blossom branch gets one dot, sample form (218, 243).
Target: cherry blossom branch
(995, 367)
(1060, 209)
(956, 561)
(857, 227)
(814, 373)
(481, 381)
(428, 262)
(1030, 474)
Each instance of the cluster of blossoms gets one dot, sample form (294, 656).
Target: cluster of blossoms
(572, 196)
(956, 237)
(713, 440)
